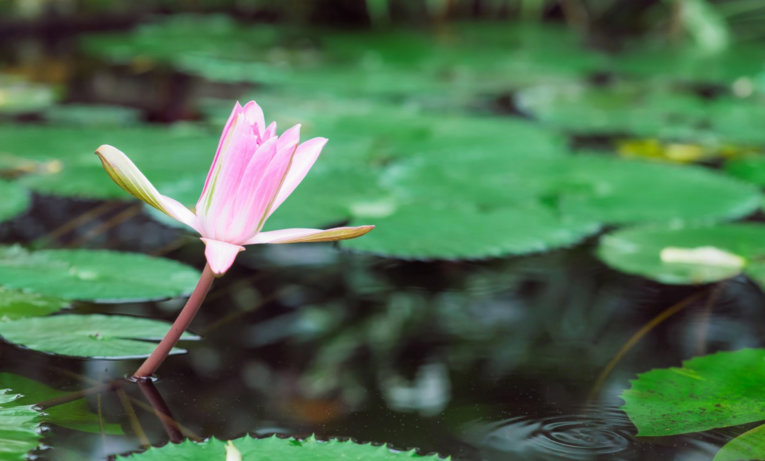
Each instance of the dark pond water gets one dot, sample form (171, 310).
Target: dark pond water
(494, 360)
(500, 359)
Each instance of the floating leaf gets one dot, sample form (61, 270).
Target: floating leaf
(73, 415)
(751, 169)
(79, 115)
(185, 151)
(93, 336)
(623, 191)
(638, 251)
(19, 427)
(95, 275)
(276, 448)
(420, 231)
(389, 63)
(717, 390)
(15, 200)
(651, 111)
(688, 63)
(18, 304)
(593, 187)
(749, 445)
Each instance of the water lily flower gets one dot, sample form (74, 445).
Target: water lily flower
(253, 172)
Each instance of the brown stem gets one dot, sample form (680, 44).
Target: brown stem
(161, 410)
(179, 326)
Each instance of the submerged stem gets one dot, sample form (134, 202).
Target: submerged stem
(179, 326)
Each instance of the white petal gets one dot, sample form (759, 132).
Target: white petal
(298, 235)
(119, 167)
(302, 161)
(220, 255)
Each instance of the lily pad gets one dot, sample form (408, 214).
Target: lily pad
(275, 448)
(95, 275)
(751, 169)
(619, 191)
(749, 445)
(19, 304)
(639, 251)
(689, 63)
(92, 336)
(15, 200)
(645, 110)
(19, 427)
(420, 231)
(594, 187)
(186, 151)
(717, 390)
(73, 415)
(92, 115)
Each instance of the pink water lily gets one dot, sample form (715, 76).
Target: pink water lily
(253, 172)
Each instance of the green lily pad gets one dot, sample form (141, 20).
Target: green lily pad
(92, 336)
(689, 63)
(168, 40)
(19, 427)
(749, 445)
(639, 251)
(717, 390)
(750, 169)
(92, 115)
(624, 191)
(15, 200)
(275, 448)
(19, 304)
(164, 154)
(73, 415)
(423, 232)
(592, 187)
(645, 110)
(390, 63)
(95, 275)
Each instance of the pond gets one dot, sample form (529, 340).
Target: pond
(566, 261)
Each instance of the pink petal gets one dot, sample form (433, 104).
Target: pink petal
(228, 171)
(270, 131)
(228, 214)
(297, 235)
(304, 158)
(260, 199)
(220, 255)
(290, 138)
(223, 137)
(254, 116)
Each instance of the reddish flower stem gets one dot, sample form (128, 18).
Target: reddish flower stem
(179, 326)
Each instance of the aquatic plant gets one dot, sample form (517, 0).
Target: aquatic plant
(253, 172)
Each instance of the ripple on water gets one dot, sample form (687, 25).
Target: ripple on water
(595, 433)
